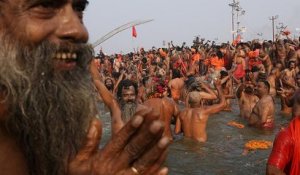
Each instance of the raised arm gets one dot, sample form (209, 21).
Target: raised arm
(108, 100)
(216, 107)
(208, 94)
(240, 90)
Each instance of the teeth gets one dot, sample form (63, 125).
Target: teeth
(74, 56)
(64, 56)
(58, 55)
(69, 55)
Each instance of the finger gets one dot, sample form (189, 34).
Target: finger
(141, 142)
(92, 141)
(130, 171)
(163, 171)
(117, 143)
(152, 160)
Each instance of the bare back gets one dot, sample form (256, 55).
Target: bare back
(164, 109)
(193, 124)
(176, 85)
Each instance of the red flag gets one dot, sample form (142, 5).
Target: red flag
(134, 34)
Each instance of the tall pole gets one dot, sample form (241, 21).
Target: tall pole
(238, 10)
(273, 18)
(232, 21)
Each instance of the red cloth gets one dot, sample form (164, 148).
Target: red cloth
(295, 131)
(134, 34)
(268, 125)
(253, 62)
(285, 154)
(239, 72)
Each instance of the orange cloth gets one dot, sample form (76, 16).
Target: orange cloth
(253, 54)
(217, 63)
(162, 53)
(236, 124)
(195, 57)
(258, 144)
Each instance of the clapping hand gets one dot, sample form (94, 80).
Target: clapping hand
(138, 148)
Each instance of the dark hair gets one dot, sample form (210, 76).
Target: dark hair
(144, 80)
(254, 69)
(224, 73)
(219, 54)
(105, 81)
(266, 83)
(126, 84)
(176, 73)
(262, 76)
(144, 60)
(115, 75)
(290, 62)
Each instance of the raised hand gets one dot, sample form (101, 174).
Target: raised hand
(138, 148)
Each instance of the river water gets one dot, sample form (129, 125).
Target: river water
(222, 153)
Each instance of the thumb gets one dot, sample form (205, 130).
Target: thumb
(92, 141)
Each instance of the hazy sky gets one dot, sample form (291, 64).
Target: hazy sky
(181, 20)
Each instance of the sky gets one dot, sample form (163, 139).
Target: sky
(181, 20)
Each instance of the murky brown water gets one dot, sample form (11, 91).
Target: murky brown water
(222, 153)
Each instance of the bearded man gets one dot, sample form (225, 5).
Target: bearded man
(47, 105)
(127, 93)
(246, 98)
(109, 84)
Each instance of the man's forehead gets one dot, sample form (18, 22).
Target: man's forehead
(54, 1)
(128, 89)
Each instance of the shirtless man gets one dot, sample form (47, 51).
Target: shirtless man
(266, 60)
(227, 87)
(47, 105)
(281, 52)
(288, 76)
(164, 109)
(288, 83)
(176, 85)
(262, 115)
(273, 81)
(247, 99)
(291, 98)
(192, 121)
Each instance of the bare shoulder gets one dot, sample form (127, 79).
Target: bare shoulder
(184, 113)
(141, 107)
(168, 101)
(267, 101)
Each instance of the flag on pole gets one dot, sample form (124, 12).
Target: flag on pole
(134, 34)
(237, 40)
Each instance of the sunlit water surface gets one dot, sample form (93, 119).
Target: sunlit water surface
(222, 153)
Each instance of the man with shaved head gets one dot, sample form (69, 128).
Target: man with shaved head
(192, 120)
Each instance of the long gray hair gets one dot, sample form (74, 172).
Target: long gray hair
(49, 110)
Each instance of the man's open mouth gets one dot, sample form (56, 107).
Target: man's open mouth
(66, 56)
(65, 60)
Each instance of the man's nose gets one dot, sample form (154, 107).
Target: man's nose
(71, 27)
